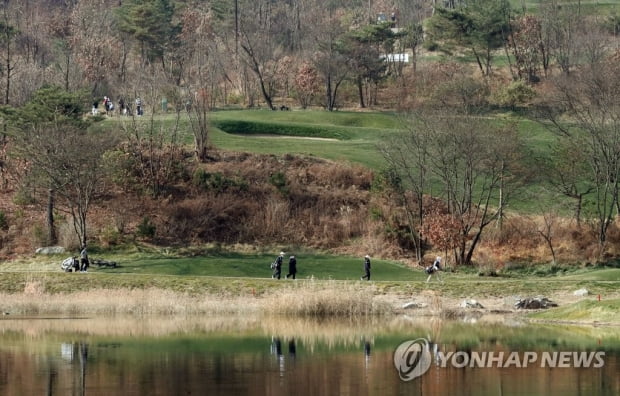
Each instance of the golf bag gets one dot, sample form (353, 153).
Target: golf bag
(70, 264)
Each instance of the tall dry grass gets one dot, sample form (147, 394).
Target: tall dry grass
(305, 298)
(34, 300)
(321, 299)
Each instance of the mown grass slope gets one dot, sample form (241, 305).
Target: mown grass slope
(590, 310)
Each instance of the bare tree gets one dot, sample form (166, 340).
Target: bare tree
(50, 135)
(408, 156)
(561, 24)
(469, 161)
(547, 231)
(7, 35)
(152, 149)
(199, 76)
(472, 163)
(259, 32)
(94, 44)
(584, 110)
(527, 47)
(72, 160)
(329, 61)
(568, 172)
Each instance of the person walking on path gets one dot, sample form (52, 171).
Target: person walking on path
(84, 260)
(139, 110)
(434, 269)
(366, 268)
(278, 266)
(121, 106)
(292, 267)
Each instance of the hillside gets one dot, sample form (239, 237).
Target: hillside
(235, 198)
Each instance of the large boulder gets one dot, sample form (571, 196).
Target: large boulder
(50, 250)
(534, 303)
(413, 305)
(470, 303)
(581, 292)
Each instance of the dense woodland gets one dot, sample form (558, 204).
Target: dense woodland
(65, 182)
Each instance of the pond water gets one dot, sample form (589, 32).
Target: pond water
(280, 356)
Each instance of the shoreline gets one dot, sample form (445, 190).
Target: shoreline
(333, 304)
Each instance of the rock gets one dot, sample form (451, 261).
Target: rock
(104, 263)
(535, 303)
(470, 303)
(50, 250)
(411, 305)
(581, 292)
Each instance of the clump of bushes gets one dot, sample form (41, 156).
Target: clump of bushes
(517, 93)
(278, 179)
(146, 228)
(218, 182)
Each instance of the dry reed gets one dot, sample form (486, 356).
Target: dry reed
(325, 299)
(33, 301)
(304, 298)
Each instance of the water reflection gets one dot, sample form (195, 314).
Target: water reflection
(76, 355)
(292, 349)
(276, 356)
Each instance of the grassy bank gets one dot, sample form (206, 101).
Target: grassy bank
(152, 262)
(221, 282)
(587, 311)
(100, 292)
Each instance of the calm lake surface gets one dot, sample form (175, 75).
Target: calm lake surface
(279, 356)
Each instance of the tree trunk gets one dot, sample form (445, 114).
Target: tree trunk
(67, 65)
(578, 210)
(51, 228)
(8, 70)
(360, 90)
(257, 70)
(329, 102)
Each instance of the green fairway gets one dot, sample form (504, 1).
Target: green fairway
(607, 274)
(257, 266)
(351, 137)
(587, 7)
(247, 271)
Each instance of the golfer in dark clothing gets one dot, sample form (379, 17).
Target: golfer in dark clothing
(292, 267)
(84, 260)
(278, 269)
(366, 268)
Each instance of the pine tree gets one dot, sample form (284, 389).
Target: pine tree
(150, 22)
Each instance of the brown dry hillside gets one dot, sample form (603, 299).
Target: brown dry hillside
(235, 198)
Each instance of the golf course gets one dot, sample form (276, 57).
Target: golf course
(234, 278)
